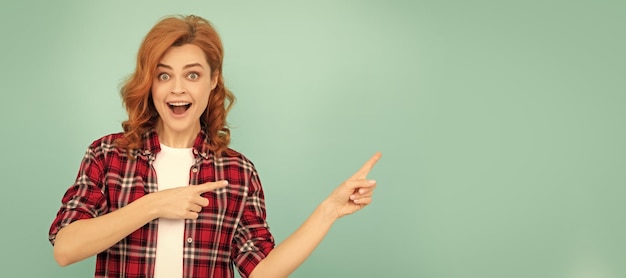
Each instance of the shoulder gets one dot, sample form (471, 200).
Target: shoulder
(99, 152)
(232, 157)
(106, 144)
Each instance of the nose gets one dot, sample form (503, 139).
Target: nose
(177, 87)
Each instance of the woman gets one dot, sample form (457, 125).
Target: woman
(170, 176)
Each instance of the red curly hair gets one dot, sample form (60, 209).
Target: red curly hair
(136, 91)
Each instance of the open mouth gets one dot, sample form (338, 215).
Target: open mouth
(179, 108)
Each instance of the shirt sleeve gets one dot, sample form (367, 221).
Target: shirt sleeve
(253, 240)
(85, 198)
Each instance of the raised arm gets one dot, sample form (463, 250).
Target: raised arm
(349, 197)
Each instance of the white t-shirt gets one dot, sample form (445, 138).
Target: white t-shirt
(172, 167)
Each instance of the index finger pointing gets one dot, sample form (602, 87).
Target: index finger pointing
(367, 167)
(210, 186)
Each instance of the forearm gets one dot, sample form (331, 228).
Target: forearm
(88, 237)
(292, 252)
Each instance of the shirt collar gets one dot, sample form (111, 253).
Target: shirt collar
(152, 146)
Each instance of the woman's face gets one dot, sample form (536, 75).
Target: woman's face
(181, 88)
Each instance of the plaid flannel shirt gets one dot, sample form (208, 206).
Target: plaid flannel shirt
(231, 230)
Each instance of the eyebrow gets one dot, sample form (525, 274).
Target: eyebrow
(185, 67)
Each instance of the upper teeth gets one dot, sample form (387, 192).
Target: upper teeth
(179, 103)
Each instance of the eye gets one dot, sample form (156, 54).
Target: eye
(163, 76)
(193, 75)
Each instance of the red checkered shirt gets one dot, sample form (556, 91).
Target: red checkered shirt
(232, 230)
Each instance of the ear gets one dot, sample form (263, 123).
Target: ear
(214, 78)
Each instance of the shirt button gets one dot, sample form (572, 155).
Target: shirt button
(189, 240)
(194, 169)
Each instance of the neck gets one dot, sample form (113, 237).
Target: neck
(177, 138)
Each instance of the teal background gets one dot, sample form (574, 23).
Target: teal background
(501, 125)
